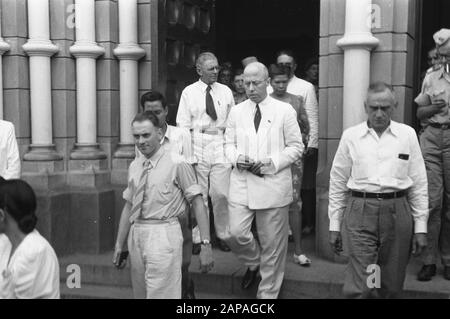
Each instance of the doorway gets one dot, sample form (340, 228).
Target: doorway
(261, 28)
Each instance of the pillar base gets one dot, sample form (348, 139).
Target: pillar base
(119, 173)
(126, 151)
(42, 153)
(87, 152)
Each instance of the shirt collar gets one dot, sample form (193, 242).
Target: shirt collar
(154, 160)
(203, 85)
(393, 128)
(167, 135)
(262, 103)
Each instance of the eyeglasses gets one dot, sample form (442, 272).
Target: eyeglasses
(247, 84)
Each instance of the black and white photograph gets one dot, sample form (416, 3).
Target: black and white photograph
(230, 151)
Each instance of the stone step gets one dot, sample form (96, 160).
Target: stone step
(323, 280)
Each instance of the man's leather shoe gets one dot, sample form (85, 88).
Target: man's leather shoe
(426, 273)
(222, 245)
(196, 249)
(447, 272)
(249, 278)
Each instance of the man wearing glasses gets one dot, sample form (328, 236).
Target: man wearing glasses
(262, 140)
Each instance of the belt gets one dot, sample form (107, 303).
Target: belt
(438, 125)
(209, 131)
(379, 196)
(150, 221)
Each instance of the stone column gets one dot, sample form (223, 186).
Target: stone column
(86, 51)
(3, 48)
(40, 49)
(128, 52)
(357, 43)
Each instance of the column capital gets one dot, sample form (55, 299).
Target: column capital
(129, 52)
(43, 48)
(362, 40)
(85, 49)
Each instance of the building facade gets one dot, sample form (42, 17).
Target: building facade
(73, 72)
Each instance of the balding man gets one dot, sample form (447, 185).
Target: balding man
(262, 140)
(203, 110)
(378, 189)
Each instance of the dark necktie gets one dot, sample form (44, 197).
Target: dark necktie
(210, 109)
(257, 118)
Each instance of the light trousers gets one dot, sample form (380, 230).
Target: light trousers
(270, 255)
(156, 256)
(213, 174)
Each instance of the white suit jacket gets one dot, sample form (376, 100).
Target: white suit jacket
(278, 143)
(9, 152)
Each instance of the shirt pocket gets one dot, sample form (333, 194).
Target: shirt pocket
(401, 168)
(360, 170)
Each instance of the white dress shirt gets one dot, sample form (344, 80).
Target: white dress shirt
(192, 108)
(365, 162)
(9, 151)
(306, 90)
(32, 271)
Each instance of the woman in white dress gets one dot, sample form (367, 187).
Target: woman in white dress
(28, 264)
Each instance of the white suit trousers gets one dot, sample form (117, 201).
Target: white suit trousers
(272, 227)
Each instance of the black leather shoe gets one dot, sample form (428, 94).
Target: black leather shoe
(426, 273)
(249, 278)
(196, 249)
(447, 272)
(189, 293)
(222, 245)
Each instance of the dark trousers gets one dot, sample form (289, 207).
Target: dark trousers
(435, 145)
(308, 192)
(186, 229)
(377, 232)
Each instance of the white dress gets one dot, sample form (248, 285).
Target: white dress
(33, 270)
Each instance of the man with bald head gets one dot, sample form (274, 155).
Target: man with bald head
(378, 192)
(262, 140)
(203, 110)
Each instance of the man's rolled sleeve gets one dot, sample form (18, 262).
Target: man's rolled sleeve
(312, 110)
(187, 181)
(339, 192)
(418, 192)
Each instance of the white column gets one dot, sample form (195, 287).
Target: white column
(3, 48)
(128, 52)
(86, 50)
(357, 43)
(40, 49)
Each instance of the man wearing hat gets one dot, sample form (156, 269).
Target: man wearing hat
(434, 112)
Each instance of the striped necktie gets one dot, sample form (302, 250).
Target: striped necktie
(138, 198)
(210, 109)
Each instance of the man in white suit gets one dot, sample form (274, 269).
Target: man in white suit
(262, 140)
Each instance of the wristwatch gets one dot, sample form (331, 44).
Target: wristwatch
(205, 242)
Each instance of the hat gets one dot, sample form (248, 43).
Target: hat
(442, 41)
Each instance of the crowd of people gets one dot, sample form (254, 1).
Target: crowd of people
(244, 152)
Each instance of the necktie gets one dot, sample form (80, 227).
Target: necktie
(210, 109)
(139, 194)
(257, 118)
